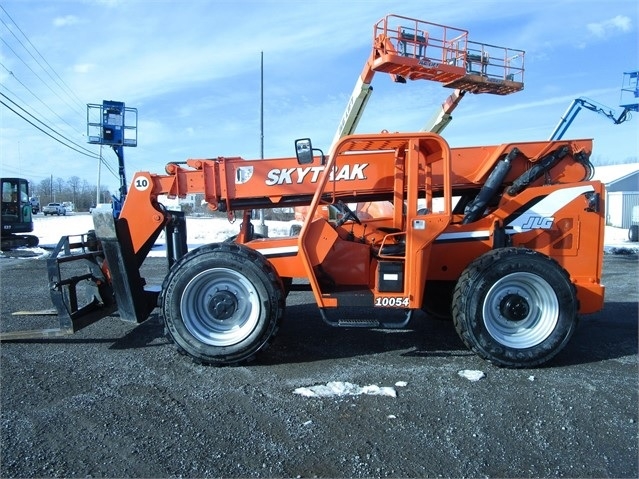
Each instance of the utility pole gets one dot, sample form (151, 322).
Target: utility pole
(262, 229)
(97, 190)
(262, 105)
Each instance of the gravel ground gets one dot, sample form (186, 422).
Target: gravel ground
(116, 400)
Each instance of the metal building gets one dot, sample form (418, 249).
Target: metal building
(622, 192)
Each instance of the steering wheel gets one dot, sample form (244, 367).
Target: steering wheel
(347, 214)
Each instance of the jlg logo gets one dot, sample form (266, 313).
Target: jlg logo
(288, 176)
(533, 222)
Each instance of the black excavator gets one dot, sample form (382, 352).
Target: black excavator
(17, 215)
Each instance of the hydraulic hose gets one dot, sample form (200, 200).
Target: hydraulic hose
(536, 171)
(490, 188)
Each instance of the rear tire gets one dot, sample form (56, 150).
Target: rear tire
(633, 233)
(222, 303)
(515, 307)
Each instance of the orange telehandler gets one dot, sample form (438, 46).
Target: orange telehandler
(513, 262)
(521, 252)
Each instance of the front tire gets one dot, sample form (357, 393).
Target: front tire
(222, 303)
(515, 307)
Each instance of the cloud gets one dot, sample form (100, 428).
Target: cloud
(65, 21)
(83, 67)
(609, 27)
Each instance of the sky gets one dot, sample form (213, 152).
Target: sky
(192, 71)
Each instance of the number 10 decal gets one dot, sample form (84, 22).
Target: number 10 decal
(141, 183)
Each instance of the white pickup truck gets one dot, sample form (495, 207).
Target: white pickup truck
(54, 209)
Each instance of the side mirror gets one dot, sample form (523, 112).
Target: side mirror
(304, 151)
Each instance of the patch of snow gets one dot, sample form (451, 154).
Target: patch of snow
(471, 374)
(199, 231)
(616, 241)
(341, 388)
(28, 253)
(401, 384)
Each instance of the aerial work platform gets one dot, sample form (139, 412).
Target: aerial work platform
(630, 91)
(410, 49)
(414, 49)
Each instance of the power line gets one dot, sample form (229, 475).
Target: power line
(19, 172)
(108, 166)
(91, 155)
(88, 153)
(55, 134)
(62, 84)
(36, 75)
(47, 126)
(36, 97)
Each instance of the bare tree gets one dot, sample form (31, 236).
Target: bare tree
(74, 184)
(58, 188)
(44, 191)
(74, 188)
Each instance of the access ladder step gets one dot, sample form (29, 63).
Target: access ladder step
(358, 323)
(395, 321)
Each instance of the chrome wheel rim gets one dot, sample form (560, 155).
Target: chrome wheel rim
(220, 307)
(520, 310)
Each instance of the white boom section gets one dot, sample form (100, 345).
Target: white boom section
(444, 116)
(354, 110)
